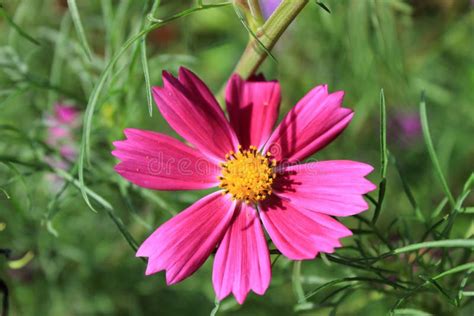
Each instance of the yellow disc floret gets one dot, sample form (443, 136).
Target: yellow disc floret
(248, 175)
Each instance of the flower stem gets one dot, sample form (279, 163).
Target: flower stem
(268, 35)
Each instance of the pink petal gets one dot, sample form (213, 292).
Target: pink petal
(182, 244)
(69, 152)
(334, 187)
(56, 162)
(65, 114)
(57, 133)
(193, 112)
(253, 108)
(299, 233)
(242, 262)
(156, 161)
(312, 124)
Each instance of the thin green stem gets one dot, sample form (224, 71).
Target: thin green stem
(16, 27)
(267, 36)
(383, 157)
(144, 59)
(347, 280)
(296, 281)
(448, 243)
(407, 189)
(467, 266)
(375, 230)
(76, 18)
(432, 152)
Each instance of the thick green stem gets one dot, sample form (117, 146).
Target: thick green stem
(268, 35)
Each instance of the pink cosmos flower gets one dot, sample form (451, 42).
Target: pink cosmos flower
(60, 127)
(62, 124)
(260, 183)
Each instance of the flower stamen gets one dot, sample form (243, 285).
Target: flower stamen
(247, 175)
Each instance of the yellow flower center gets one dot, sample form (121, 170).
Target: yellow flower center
(247, 175)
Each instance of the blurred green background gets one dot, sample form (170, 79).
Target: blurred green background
(60, 258)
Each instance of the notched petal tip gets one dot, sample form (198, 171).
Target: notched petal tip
(367, 169)
(144, 250)
(140, 254)
(349, 115)
(335, 100)
(183, 71)
(220, 293)
(364, 206)
(259, 78)
(338, 93)
(240, 297)
(156, 90)
(371, 187)
(347, 233)
(320, 88)
(235, 76)
(117, 143)
(166, 73)
(129, 132)
(116, 153)
(172, 279)
(169, 82)
(150, 269)
(346, 111)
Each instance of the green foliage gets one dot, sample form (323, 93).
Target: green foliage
(413, 256)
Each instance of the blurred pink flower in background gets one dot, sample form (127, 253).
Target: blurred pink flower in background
(404, 127)
(62, 125)
(66, 114)
(268, 6)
